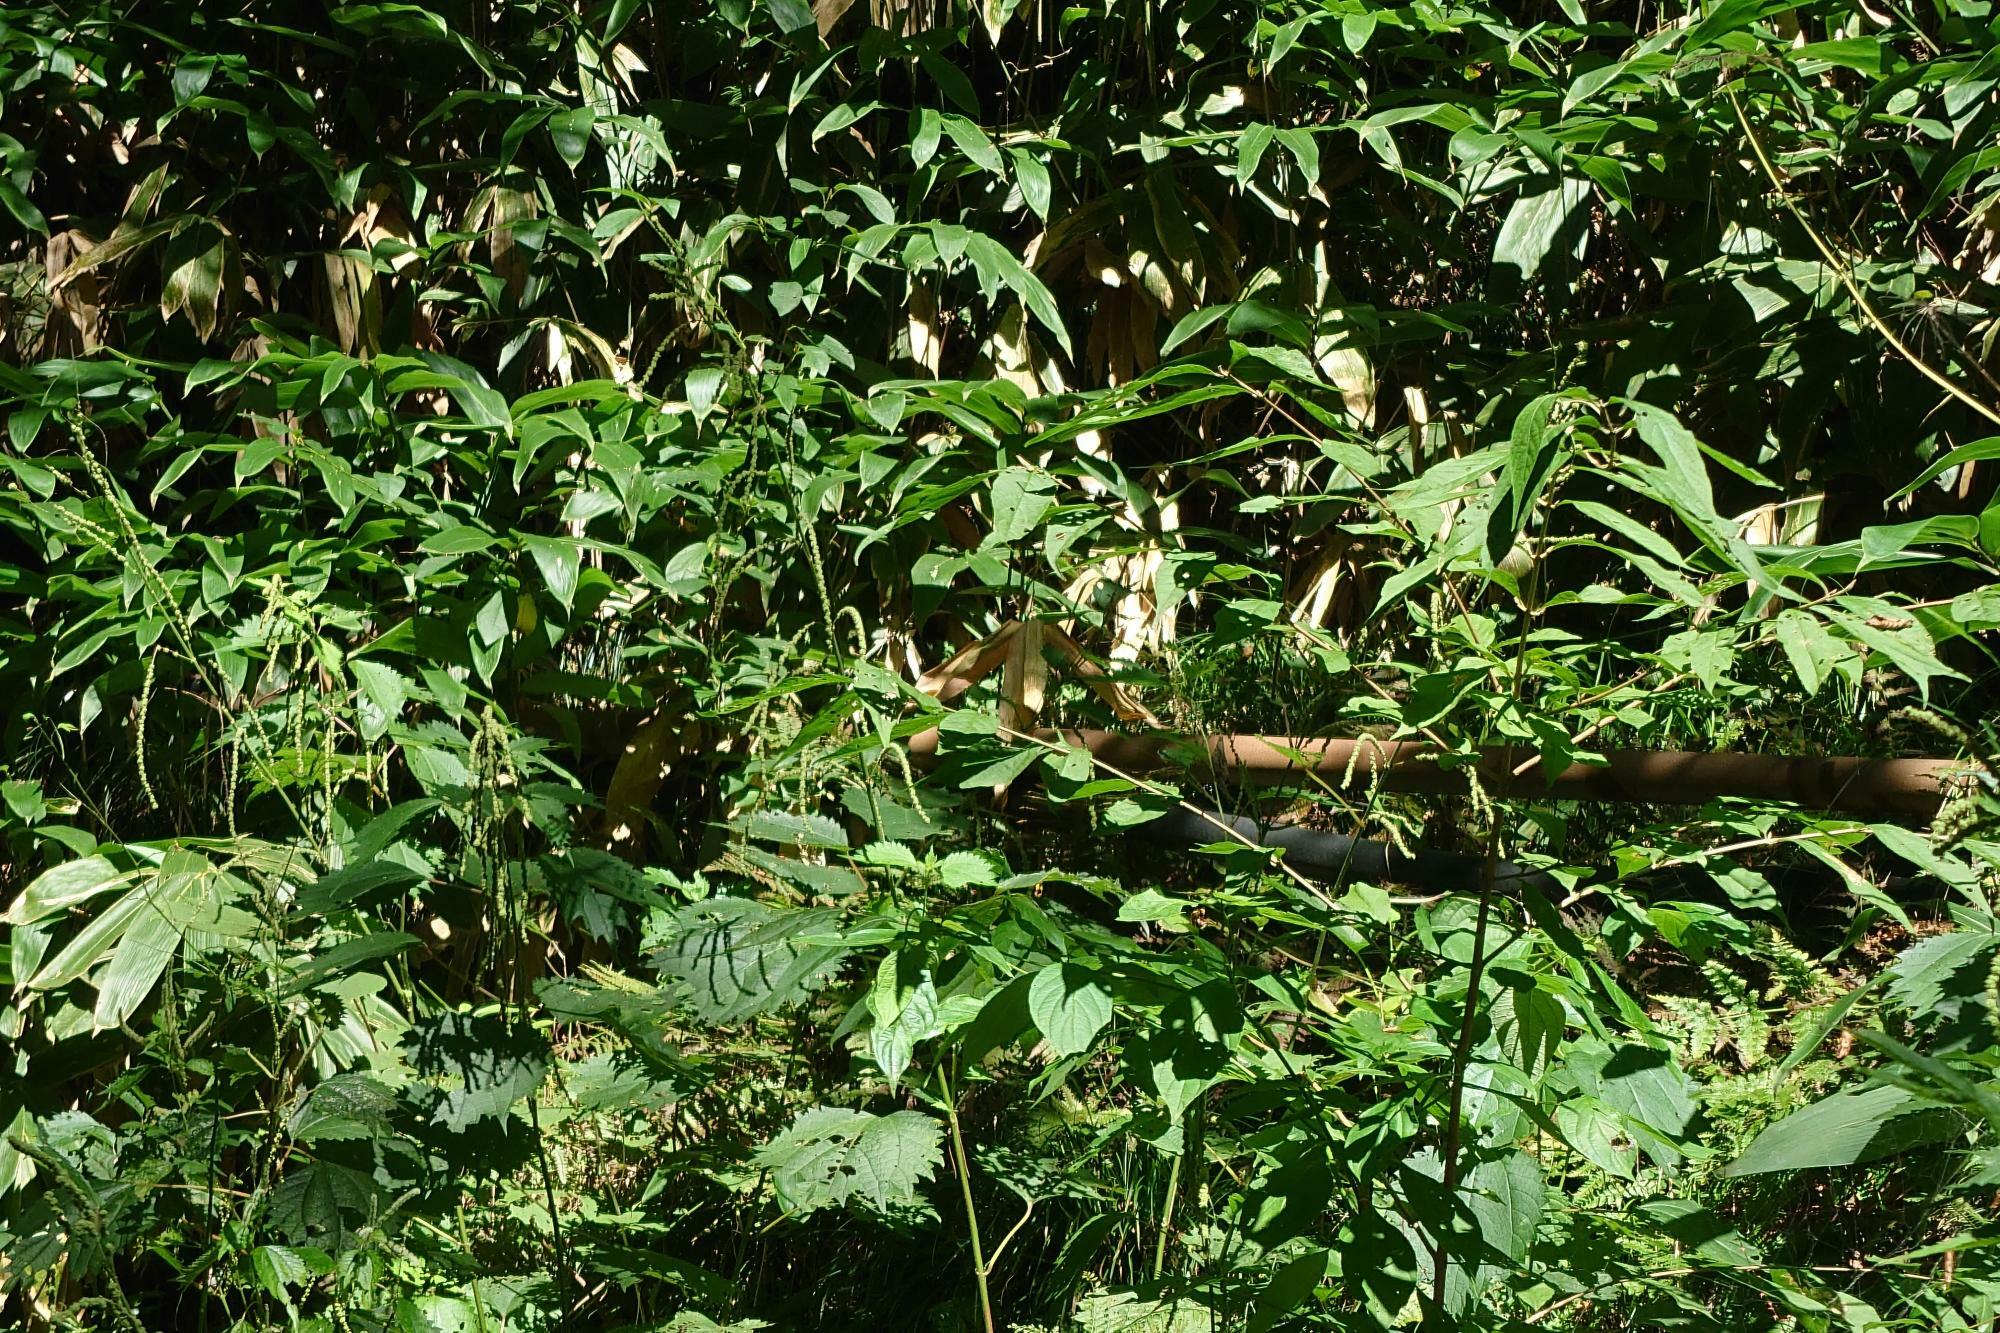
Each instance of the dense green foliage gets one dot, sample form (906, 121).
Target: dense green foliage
(485, 484)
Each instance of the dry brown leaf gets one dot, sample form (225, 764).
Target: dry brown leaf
(1011, 353)
(969, 665)
(1123, 701)
(353, 303)
(71, 327)
(826, 13)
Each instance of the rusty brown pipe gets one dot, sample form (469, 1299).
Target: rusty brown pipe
(1848, 784)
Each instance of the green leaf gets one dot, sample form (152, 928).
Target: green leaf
(278, 1270)
(1022, 498)
(1883, 628)
(832, 1156)
(165, 902)
(1814, 654)
(1697, 1231)
(1529, 231)
(963, 870)
(63, 887)
(193, 285)
(1528, 1025)
(21, 207)
(1290, 1287)
(481, 1065)
(1643, 1082)
(1069, 1006)
(1033, 178)
(1840, 1130)
(812, 830)
(457, 539)
(972, 141)
(142, 953)
(792, 15)
(1251, 145)
(989, 256)
(354, 882)
(731, 959)
(571, 132)
(559, 559)
(893, 1043)
(1375, 1256)
(383, 693)
(348, 956)
(1952, 967)
(1489, 1227)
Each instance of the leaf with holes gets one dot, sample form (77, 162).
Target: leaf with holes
(832, 1156)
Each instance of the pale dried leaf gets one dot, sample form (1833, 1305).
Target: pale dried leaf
(1024, 677)
(926, 337)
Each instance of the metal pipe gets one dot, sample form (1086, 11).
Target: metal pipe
(1845, 783)
(1337, 856)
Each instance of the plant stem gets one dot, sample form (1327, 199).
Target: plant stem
(1461, 1056)
(1845, 275)
(1167, 1215)
(965, 1189)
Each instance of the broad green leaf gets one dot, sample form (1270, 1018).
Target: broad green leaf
(559, 559)
(1643, 1082)
(1532, 225)
(1069, 1006)
(58, 889)
(832, 1156)
(1841, 1130)
(570, 130)
(916, 1020)
(730, 959)
(1814, 653)
(1022, 497)
(480, 1065)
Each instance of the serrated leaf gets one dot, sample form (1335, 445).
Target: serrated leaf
(1643, 1082)
(730, 959)
(833, 1156)
(383, 693)
(963, 870)
(810, 830)
(482, 1064)
(1950, 967)
(888, 855)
